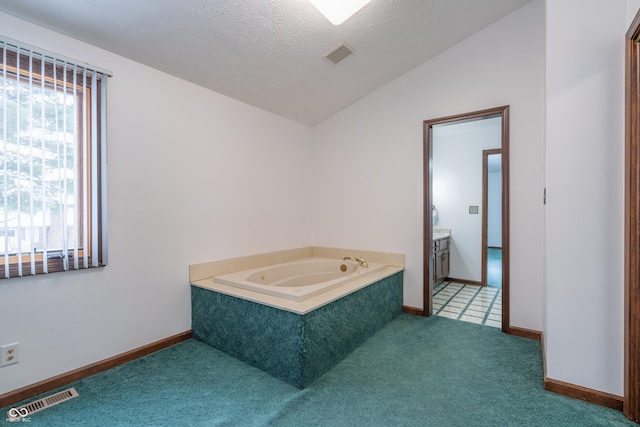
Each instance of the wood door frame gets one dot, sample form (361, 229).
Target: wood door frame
(503, 112)
(485, 210)
(631, 403)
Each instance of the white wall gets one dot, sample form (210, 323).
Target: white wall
(368, 159)
(194, 176)
(585, 182)
(494, 209)
(457, 184)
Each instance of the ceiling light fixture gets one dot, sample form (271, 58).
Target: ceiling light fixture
(338, 11)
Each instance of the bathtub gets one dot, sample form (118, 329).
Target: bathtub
(298, 315)
(299, 280)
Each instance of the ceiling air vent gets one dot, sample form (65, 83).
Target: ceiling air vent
(338, 53)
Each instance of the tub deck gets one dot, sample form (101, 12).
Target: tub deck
(299, 307)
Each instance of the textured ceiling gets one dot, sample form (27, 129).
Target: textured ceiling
(269, 53)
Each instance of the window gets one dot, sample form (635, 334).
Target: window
(52, 161)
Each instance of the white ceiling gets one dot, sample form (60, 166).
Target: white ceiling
(269, 53)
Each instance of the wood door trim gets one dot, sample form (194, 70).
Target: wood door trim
(631, 400)
(485, 206)
(503, 111)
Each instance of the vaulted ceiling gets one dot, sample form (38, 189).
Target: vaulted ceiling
(269, 53)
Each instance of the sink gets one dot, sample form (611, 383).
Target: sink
(437, 236)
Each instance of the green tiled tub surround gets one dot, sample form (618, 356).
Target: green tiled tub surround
(296, 348)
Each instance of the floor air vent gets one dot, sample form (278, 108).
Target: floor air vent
(338, 53)
(41, 404)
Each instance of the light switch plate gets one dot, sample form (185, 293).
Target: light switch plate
(473, 209)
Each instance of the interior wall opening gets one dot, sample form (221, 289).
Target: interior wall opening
(466, 217)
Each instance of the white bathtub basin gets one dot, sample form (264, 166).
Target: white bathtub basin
(298, 280)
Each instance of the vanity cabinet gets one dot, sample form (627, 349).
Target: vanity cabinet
(441, 264)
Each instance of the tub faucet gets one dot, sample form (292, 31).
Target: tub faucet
(362, 262)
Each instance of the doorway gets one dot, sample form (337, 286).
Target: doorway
(492, 218)
(428, 282)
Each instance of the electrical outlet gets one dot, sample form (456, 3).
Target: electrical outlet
(9, 354)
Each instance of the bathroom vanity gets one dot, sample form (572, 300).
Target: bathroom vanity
(440, 266)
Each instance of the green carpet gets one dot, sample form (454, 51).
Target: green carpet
(414, 371)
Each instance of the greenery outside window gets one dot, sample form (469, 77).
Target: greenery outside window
(53, 162)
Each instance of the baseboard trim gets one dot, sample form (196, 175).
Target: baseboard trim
(525, 333)
(578, 392)
(412, 310)
(86, 371)
(463, 281)
(583, 393)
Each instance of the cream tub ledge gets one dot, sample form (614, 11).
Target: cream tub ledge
(301, 307)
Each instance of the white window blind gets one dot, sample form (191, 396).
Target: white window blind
(53, 161)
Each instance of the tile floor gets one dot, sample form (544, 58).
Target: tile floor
(469, 303)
